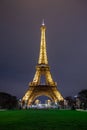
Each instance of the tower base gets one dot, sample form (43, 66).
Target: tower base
(42, 90)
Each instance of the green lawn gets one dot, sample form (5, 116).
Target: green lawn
(43, 120)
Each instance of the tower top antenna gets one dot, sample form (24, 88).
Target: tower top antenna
(43, 22)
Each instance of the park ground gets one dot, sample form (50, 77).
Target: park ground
(43, 119)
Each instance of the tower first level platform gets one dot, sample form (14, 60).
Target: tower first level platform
(36, 88)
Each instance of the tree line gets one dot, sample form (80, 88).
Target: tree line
(7, 101)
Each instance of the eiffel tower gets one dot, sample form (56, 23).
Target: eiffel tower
(36, 88)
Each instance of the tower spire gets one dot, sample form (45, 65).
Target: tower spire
(43, 52)
(43, 23)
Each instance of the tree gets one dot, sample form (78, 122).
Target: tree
(83, 97)
(7, 101)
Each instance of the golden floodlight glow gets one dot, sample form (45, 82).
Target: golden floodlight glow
(43, 52)
(36, 89)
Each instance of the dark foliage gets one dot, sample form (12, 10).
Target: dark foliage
(70, 100)
(83, 97)
(7, 101)
(83, 94)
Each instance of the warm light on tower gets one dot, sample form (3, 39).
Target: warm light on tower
(43, 23)
(36, 88)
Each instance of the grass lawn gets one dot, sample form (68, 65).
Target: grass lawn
(43, 120)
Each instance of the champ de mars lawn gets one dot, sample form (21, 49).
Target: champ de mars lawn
(43, 120)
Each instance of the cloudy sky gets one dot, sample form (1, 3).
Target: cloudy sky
(66, 22)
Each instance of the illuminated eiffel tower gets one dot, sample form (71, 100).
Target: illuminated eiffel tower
(36, 88)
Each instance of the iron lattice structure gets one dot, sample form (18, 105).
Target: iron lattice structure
(37, 89)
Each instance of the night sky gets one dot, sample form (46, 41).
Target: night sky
(66, 22)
